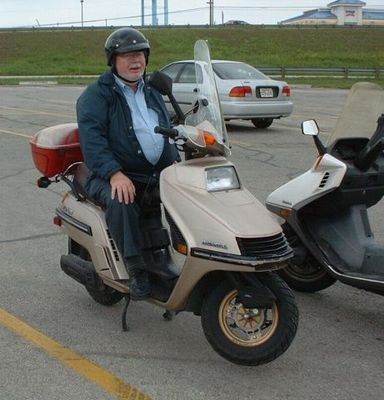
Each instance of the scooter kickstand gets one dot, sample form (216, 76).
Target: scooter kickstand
(124, 314)
(168, 315)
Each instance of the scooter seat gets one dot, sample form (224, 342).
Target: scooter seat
(80, 177)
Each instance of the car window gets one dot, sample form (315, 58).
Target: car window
(237, 71)
(173, 70)
(188, 75)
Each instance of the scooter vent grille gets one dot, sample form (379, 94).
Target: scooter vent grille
(324, 180)
(266, 248)
(113, 246)
(176, 236)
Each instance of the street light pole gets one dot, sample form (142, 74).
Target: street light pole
(211, 12)
(82, 19)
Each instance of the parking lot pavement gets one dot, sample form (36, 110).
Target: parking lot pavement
(337, 353)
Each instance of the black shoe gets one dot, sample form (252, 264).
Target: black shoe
(138, 283)
(139, 288)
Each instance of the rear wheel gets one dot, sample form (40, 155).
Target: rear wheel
(105, 295)
(250, 336)
(262, 123)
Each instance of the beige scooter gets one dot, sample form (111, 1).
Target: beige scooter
(211, 251)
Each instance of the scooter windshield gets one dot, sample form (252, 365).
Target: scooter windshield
(363, 107)
(207, 114)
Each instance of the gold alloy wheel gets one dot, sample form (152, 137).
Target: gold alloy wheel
(247, 327)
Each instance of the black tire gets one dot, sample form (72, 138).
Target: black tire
(105, 296)
(262, 123)
(308, 277)
(263, 337)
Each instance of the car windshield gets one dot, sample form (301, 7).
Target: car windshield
(227, 70)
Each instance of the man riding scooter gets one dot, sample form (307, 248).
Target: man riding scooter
(116, 116)
(215, 247)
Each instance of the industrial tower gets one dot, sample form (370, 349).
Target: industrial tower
(155, 20)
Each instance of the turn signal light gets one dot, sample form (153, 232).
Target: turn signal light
(318, 161)
(240, 91)
(57, 220)
(284, 212)
(209, 139)
(286, 91)
(182, 248)
(206, 137)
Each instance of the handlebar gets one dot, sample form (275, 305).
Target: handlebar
(373, 148)
(368, 155)
(168, 132)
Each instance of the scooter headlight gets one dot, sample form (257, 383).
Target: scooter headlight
(222, 178)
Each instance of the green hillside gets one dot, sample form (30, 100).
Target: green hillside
(81, 51)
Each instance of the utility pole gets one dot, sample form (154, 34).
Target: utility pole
(154, 13)
(142, 13)
(82, 16)
(165, 12)
(211, 12)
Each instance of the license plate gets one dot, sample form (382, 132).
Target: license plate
(266, 92)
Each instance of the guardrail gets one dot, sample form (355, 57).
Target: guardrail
(282, 72)
(319, 72)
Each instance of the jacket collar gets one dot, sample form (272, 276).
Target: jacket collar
(107, 78)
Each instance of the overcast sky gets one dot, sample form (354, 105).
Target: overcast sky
(16, 13)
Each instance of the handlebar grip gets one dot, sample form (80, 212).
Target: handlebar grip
(169, 132)
(368, 155)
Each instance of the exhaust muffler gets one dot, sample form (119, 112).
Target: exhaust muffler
(80, 270)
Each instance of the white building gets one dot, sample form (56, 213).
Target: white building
(340, 12)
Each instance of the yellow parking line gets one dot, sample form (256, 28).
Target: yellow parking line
(79, 364)
(14, 133)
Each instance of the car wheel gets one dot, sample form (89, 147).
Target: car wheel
(262, 123)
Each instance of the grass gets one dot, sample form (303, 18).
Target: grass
(80, 52)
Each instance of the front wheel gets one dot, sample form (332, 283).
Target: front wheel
(250, 336)
(309, 276)
(262, 123)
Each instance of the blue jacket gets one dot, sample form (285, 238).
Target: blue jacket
(107, 137)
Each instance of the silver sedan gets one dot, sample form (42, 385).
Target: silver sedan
(244, 91)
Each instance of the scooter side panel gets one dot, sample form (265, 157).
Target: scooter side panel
(324, 176)
(194, 270)
(104, 254)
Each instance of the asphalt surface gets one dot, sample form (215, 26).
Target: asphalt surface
(339, 347)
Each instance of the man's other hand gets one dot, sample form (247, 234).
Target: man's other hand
(122, 187)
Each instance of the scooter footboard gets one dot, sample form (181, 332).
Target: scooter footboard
(344, 237)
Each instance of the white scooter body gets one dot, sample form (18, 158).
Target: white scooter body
(325, 208)
(325, 175)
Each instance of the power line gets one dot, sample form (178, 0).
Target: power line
(188, 10)
(121, 18)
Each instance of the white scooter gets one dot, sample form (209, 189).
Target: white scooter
(325, 209)
(212, 249)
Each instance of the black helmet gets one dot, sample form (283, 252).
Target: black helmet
(125, 40)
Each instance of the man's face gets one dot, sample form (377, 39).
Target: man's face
(131, 65)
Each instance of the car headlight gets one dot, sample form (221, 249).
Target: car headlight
(222, 178)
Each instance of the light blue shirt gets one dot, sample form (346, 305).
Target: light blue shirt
(144, 121)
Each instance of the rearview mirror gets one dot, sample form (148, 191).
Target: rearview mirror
(161, 82)
(310, 127)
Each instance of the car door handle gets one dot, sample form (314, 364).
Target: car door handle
(195, 90)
